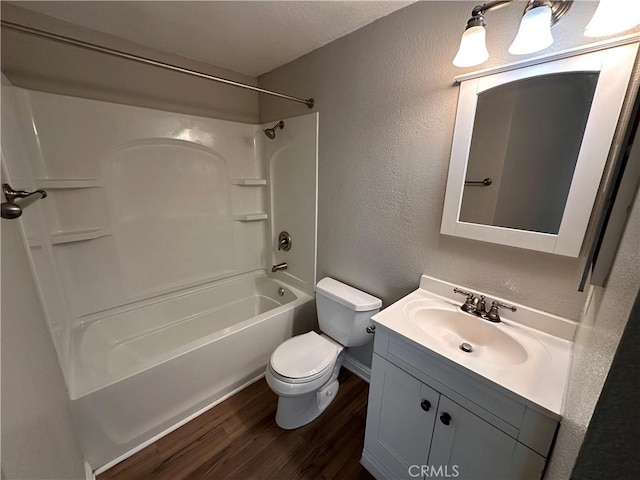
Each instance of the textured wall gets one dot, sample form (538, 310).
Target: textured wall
(611, 444)
(38, 441)
(596, 342)
(40, 64)
(387, 101)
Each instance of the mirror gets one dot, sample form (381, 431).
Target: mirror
(529, 149)
(529, 179)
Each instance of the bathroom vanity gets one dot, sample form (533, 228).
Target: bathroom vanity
(436, 410)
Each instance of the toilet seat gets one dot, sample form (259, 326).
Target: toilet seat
(326, 372)
(304, 358)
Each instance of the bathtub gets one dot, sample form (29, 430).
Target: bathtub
(140, 372)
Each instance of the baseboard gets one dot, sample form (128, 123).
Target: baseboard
(88, 472)
(174, 427)
(377, 470)
(357, 367)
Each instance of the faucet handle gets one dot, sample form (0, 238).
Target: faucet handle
(284, 241)
(463, 292)
(504, 305)
(493, 313)
(470, 305)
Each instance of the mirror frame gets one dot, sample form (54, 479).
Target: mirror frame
(614, 66)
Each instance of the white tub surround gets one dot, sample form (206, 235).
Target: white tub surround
(293, 185)
(152, 254)
(540, 379)
(141, 202)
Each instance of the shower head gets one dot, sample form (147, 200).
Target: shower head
(271, 132)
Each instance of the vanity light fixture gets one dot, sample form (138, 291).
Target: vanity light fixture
(473, 49)
(534, 33)
(613, 16)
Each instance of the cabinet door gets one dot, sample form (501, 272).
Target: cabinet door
(400, 419)
(470, 448)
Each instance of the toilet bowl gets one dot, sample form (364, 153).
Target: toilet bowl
(303, 371)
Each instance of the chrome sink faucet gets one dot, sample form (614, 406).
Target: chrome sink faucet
(476, 305)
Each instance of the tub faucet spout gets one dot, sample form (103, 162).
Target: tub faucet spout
(280, 266)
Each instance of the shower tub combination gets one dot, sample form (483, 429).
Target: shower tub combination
(149, 369)
(157, 292)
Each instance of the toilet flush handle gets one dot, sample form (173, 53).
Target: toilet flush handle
(371, 329)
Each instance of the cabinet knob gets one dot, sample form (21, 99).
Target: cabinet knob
(425, 405)
(445, 418)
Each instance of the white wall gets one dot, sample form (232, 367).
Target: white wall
(387, 103)
(38, 441)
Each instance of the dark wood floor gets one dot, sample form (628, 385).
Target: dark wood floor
(239, 439)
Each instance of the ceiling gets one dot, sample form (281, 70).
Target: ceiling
(250, 37)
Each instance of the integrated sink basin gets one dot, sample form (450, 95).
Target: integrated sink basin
(528, 353)
(468, 334)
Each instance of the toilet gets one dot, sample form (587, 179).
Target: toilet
(303, 371)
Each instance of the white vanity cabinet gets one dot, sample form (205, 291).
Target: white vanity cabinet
(427, 418)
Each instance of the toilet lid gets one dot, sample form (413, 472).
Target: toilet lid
(304, 356)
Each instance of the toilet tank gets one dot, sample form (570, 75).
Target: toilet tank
(344, 312)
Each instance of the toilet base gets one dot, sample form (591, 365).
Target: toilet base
(295, 412)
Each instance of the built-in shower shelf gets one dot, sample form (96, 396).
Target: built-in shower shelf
(79, 236)
(251, 217)
(249, 182)
(70, 183)
(34, 242)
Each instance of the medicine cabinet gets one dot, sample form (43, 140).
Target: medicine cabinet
(529, 149)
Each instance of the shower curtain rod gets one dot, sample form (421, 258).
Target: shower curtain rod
(309, 102)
